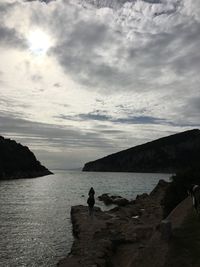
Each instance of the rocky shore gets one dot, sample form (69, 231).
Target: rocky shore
(125, 236)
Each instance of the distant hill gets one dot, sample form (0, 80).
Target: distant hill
(168, 154)
(17, 161)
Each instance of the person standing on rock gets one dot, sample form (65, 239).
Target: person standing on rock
(91, 200)
(91, 192)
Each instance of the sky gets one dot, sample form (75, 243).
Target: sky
(85, 78)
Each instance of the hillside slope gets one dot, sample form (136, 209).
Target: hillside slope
(167, 154)
(17, 161)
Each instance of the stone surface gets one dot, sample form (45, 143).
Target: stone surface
(106, 237)
(166, 229)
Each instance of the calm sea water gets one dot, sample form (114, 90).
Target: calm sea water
(35, 226)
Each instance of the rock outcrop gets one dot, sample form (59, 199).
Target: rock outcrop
(17, 161)
(116, 200)
(115, 237)
(169, 154)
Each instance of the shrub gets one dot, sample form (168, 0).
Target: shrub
(177, 191)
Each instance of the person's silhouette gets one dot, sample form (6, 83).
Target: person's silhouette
(91, 192)
(91, 200)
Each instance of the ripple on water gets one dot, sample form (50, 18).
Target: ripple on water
(35, 226)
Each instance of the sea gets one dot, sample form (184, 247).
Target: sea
(35, 224)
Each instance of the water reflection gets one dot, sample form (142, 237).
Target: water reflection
(35, 225)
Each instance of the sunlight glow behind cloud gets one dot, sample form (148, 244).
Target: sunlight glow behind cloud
(39, 42)
(97, 75)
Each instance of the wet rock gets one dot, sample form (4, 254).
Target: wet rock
(116, 200)
(142, 196)
(107, 200)
(121, 201)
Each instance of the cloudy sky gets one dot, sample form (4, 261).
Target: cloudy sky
(80, 79)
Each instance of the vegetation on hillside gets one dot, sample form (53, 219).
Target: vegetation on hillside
(177, 190)
(168, 154)
(17, 161)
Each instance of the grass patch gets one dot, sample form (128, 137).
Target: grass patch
(185, 244)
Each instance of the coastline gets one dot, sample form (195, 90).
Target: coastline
(27, 175)
(116, 237)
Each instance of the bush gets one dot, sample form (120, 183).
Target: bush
(177, 191)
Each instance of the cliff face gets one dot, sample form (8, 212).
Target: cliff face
(168, 154)
(17, 161)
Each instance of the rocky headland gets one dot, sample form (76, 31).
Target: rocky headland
(126, 236)
(168, 154)
(17, 161)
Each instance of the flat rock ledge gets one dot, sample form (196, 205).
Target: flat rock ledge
(115, 238)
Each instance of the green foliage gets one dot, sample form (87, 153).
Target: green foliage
(178, 188)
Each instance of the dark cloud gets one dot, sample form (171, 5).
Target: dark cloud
(106, 3)
(111, 132)
(42, 1)
(93, 116)
(115, 3)
(84, 117)
(78, 54)
(136, 68)
(57, 146)
(53, 135)
(153, 1)
(191, 110)
(195, 103)
(12, 103)
(9, 37)
(141, 120)
(89, 70)
(5, 7)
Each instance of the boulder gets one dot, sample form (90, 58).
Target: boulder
(116, 200)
